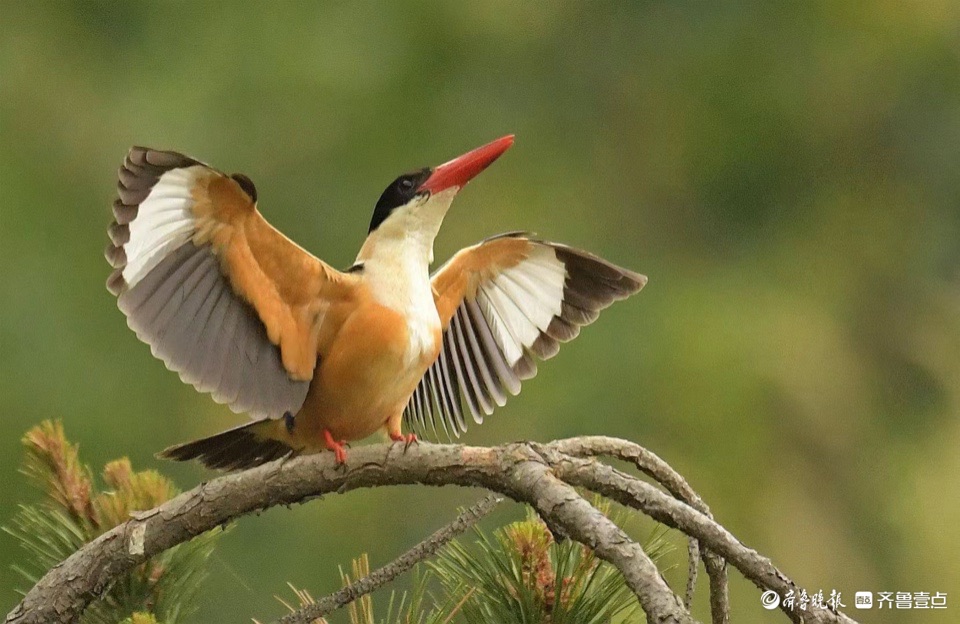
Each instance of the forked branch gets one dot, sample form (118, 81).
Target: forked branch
(541, 475)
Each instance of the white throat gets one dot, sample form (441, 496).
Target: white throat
(397, 270)
(396, 264)
(397, 255)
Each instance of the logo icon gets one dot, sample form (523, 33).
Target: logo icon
(863, 600)
(770, 599)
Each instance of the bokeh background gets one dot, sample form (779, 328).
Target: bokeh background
(787, 174)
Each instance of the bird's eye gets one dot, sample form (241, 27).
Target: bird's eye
(406, 184)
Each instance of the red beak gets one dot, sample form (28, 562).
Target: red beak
(462, 169)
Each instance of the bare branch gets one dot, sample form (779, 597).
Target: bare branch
(561, 507)
(514, 470)
(381, 576)
(660, 471)
(693, 561)
(536, 474)
(635, 493)
(646, 461)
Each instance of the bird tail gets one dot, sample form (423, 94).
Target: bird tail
(242, 447)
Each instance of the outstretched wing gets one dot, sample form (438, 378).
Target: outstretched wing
(220, 296)
(504, 303)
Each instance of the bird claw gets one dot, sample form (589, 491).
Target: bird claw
(407, 439)
(338, 447)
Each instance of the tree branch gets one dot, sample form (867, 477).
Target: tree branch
(660, 471)
(381, 576)
(536, 474)
(560, 506)
(633, 492)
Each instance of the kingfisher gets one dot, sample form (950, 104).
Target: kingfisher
(316, 356)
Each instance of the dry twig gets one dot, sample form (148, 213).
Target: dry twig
(381, 576)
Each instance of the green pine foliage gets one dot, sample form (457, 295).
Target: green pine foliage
(413, 607)
(75, 510)
(521, 575)
(417, 606)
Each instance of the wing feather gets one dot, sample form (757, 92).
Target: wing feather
(481, 359)
(443, 401)
(503, 304)
(449, 377)
(221, 297)
(212, 348)
(497, 343)
(474, 362)
(452, 349)
(435, 402)
(503, 377)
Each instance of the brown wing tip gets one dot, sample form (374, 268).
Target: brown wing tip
(595, 282)
(115, 283)
(639, 279)
(141, 156)
(594, 266)
(116, 256)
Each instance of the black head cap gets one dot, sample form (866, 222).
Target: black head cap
(399, 193)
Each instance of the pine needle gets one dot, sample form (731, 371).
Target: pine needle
(75, 511)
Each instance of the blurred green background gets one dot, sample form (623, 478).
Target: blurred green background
(786, 174)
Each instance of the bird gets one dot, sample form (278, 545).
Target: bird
(319, 357)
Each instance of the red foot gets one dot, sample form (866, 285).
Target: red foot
(407, 440)
(337, 447)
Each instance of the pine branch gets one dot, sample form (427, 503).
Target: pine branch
(521, 575)
(660, 471)
(642, 496)
(536, 474)
(76, 511)
(380, 577)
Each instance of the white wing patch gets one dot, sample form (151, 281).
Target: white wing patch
(521, 301)
(164, 222)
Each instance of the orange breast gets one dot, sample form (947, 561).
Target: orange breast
(365, 376)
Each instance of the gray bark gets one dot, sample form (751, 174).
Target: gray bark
(541, 475)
